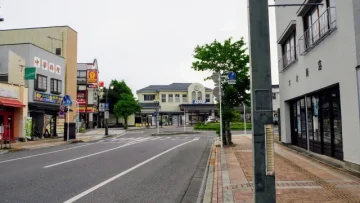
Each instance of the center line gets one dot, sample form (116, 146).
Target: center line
(82, 157)
(122, 173)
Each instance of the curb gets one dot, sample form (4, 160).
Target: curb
(210, 178)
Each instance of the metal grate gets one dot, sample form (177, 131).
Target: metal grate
(269, 147)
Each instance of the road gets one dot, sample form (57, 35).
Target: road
(133, 167)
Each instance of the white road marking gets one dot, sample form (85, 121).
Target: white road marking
(122, 174)
(108, 150)
(26, 157)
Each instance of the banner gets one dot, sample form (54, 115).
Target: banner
(28, 127)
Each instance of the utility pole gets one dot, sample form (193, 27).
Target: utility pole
(264, 182)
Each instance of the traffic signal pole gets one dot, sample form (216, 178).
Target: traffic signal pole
(264, 183)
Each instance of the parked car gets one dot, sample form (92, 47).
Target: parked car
(210, 120)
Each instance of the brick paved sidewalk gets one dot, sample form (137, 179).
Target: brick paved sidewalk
(298, 178)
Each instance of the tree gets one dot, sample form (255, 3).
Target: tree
(126, 107)
(115, 94)
(226, 57)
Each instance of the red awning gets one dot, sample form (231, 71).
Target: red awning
(11, 102)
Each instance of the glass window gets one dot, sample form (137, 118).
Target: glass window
(184, 98)
(207, 97)
(81, 73)
(149, 97)
(171, 98)
(274, 95)
(177, 98)
(193, 96)
(55, 86)
(289, 49)
(163, 98)
(41, 82)
(199, 93)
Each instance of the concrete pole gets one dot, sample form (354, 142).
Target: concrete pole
(264, 185)
(221, 120)
(244, 117)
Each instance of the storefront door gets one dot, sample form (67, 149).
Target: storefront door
(6, 120)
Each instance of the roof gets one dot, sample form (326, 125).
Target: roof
(171, 87)
(40, 28)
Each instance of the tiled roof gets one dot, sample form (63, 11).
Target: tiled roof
(171, 87)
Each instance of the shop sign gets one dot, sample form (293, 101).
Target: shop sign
(9, 93)
(199, 101)
(92, 76)
(101, 84)
(30, 73)
(48, 98)
(92, 86)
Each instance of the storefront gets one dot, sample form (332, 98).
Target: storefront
(316, 122)
(198, 112)
(12, 111)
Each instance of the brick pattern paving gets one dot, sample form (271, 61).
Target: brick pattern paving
(298, 178)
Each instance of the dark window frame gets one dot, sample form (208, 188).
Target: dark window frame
(52, 90)
(38, 76)
(149, 97)
(207, 97)
(81, 71)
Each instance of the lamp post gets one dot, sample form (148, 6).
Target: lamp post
(107, 111)
(157, 115)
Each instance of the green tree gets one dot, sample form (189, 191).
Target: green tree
(115, 94)
(229, 56)
(126, 107)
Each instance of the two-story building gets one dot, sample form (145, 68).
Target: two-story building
(45, 93)
(87, 93)
(319, 52)
(174, 101)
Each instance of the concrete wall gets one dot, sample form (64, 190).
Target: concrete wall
(338, 53)
(50, 38)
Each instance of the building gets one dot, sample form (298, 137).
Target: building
(88, 92)
(172, 101)
(319, 52)
(13, 96)
(275, 102)
(60, 40)
(45, 93)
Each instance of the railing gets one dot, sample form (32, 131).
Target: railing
(289, 58)
(317, 32)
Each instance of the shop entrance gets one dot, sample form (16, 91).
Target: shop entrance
(6, 120)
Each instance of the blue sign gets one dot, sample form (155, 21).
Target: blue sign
(67, 100)
(231, 76)
(155, 114)
(106, 106)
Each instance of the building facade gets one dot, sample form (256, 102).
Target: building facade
(59, 40)
(275, 102)
(45, 93)
(88, 93)
(173, 101)
(319, 52)
(13, 97)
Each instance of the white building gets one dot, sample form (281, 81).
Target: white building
(173, 100)
(275, 101)
(319, 52)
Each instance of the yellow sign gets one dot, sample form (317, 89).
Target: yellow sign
(92, 76)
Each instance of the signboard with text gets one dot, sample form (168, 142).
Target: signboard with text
(199, 101)
(30, 73)
(92, 76)
(48, 98)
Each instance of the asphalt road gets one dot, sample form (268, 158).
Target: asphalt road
(133, 167)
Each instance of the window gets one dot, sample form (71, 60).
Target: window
(41, 82)
(149, 97)
(177, 98)
(289, 50)
(207, 98)
(55, 86)
(81, 73)
(184, 98)
(163, 98)
(318, 21)
(193, 96)
(199, 95)
(274, 95)
(171, 98)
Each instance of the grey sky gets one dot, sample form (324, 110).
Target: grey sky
(141, 41)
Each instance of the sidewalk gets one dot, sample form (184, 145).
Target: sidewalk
(298, 178)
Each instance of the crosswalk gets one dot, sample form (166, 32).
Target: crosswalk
(134, 139)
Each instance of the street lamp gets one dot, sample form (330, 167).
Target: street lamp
(107, 111)
(157, 114)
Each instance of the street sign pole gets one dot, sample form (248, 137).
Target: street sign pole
(259, 42)
(68, 119)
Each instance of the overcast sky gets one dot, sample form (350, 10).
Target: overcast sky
(143, 42)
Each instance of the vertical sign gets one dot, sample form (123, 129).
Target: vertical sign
(52, 67)
(58, 69)
(37, 62)
(44, 65)
(92, 76)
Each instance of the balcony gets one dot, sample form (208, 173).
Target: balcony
(318, 31)
(289, 58)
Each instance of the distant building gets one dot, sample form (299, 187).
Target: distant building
(275, 102)
(173, 101)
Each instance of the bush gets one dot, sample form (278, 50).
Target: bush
(216, 126)
(82, 130)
